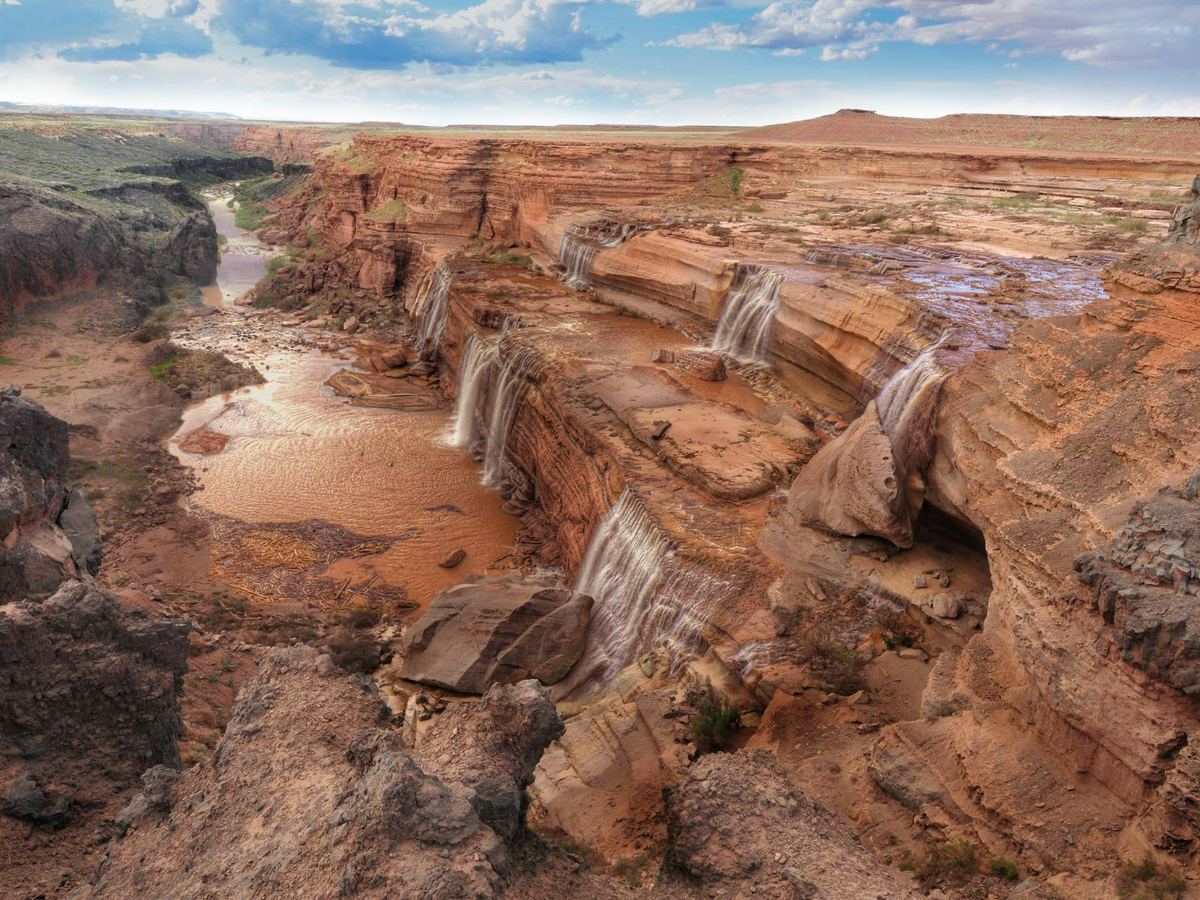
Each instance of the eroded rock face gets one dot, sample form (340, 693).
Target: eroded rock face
(87, 703)
(490, 630)
(736, 823)
(1146, 587)
(1185, 226)
(310, 794)
(46, 534)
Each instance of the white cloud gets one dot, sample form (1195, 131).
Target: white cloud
(1154, 33)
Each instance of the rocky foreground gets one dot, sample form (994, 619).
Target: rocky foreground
(858, 557)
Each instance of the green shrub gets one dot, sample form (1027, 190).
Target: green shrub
(735, 181)
(1146, 881)
(952, 863)
(1003, 867)
(838, 666)
(716, 721)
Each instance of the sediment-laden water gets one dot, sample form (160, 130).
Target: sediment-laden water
(298, 452)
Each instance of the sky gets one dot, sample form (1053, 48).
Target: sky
(542, 62)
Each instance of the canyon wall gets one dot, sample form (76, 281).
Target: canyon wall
(1062, 406)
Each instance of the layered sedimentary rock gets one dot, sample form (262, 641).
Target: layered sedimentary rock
(991, 421)
(310, 793)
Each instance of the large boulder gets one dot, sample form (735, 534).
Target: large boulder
(489, 630)
(854, 486)
(738, 825)
(312, 794)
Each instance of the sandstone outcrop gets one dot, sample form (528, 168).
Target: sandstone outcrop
(49, 534)
(497, 630)
(738, 825)
(310, 793)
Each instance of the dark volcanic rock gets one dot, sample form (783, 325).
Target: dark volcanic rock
(1148, 587)
(82, 677)
(311, 795)
(489, 630)
(192, 247)
(46, 535)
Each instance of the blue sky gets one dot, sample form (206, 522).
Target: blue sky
(439, 62)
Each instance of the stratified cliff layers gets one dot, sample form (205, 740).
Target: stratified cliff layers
(927, 371)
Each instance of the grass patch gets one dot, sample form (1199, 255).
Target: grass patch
(393, 212)
(7, 361)
(177, 367)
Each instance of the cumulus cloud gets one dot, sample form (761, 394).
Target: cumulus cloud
(390, 34)
(168, 36)
(86, 30)
(1095, 32)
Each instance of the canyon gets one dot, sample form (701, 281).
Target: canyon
(688, 514)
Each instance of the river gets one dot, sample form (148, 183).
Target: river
(296, 452)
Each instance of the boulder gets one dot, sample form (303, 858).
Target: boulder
(852, 486)
(703, 364)
(489, 630)
(35, 554)
(79, 524)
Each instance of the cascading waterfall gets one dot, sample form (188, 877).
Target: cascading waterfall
(744, 329)
(507, 390)
(432, 311)
(906, 406)
(580, 243)
(479, 356)
(645, 595)
(622, 571)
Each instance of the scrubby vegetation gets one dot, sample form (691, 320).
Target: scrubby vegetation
(183, 369)
(1149, 881)
(951, 864)
(716, 721)
(393, 212)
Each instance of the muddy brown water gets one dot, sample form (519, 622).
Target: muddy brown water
(298, 452)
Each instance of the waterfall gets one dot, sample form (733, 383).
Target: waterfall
(907, 404)
(507, 389)
(478, 358)
(432, 311)
(580, 243)
(744, 329)
(645, 595)
(622, 571)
